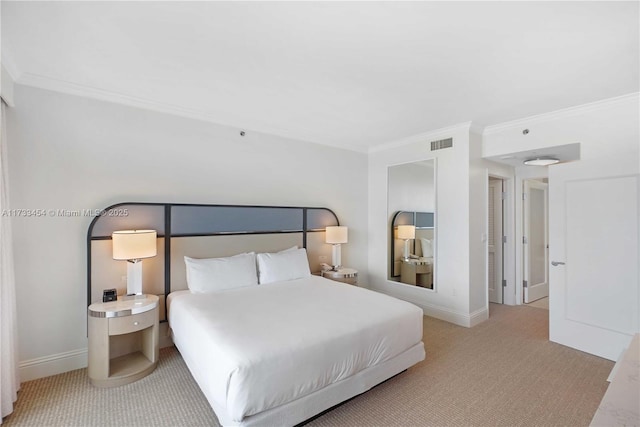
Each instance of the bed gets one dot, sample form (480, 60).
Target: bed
(282, 352)
(275, 346)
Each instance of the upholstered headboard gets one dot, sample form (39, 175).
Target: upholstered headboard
(199, 231)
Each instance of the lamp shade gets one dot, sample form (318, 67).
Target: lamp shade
(337, 234)
(134, 244)
(406, 232)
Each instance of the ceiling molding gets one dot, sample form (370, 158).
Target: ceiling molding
(62, 86)
(476, 128)
(10, 74)
(9, 65)
(422, 137)
(6, 87)
(563, 113)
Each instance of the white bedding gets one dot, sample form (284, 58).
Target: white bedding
(256, 348)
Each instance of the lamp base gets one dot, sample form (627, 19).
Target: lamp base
(405, 255)
(134, 277)
(336, 256)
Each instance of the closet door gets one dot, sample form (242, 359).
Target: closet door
(593, 236)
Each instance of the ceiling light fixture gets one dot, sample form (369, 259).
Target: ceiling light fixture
(541, 161)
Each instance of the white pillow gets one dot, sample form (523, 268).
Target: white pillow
(427, 247)
(217, 274)
(286, 265)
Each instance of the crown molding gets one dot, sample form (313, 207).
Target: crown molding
(9, 65)
(421, 137)
(62, 86)
(11, 73)
(476, 128)
(563, 113)
(85, 91)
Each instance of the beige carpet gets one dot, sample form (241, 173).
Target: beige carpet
(541, 303)
(503, 372)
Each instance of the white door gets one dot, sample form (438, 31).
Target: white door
(494, 258)
(536, 255)
(593, 231)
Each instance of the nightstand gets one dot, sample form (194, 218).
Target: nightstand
(123, 340)
(417, 272)
(345, 275)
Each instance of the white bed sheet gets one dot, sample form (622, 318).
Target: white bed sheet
(260, 347)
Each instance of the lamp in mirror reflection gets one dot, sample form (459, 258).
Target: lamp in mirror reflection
(336, 236)
(406, 233)
(133, 246)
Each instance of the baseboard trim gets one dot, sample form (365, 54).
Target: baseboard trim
(60, 363)
(468, 320)
(53, 364)
(446, 314)
(478, 316)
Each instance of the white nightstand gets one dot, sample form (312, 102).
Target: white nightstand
(123, 340)
(345, 275)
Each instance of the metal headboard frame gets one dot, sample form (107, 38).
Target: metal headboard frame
(329, 219)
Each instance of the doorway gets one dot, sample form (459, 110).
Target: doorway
(535, 246)
(496, 240)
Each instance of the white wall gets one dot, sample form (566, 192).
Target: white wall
(450, 298)
(67, 152)
(478, 211)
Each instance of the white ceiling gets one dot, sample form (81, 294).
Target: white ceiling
(348, 74)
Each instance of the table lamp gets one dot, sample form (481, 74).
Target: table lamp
(406, 233)
(336, 236)
(133, 246)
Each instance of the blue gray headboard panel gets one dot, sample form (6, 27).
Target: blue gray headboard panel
(127, 216)
(179, 220)
(207, 220)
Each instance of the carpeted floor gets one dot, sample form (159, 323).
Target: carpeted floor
(541, 303)
(503, 372)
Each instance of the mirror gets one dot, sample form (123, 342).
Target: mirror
(411, 215)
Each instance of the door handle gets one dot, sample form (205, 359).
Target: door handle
(556, 263)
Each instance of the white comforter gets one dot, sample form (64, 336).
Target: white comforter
(259, 347)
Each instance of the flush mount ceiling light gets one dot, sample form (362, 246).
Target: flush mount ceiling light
(541, 161)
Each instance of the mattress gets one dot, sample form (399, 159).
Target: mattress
(256, 348)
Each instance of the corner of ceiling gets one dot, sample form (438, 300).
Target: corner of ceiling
(560, 114)
(10, 73)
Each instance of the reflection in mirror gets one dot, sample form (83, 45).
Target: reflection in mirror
(411, 213)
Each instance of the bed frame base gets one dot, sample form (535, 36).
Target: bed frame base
(326, 411)
(309, 406)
